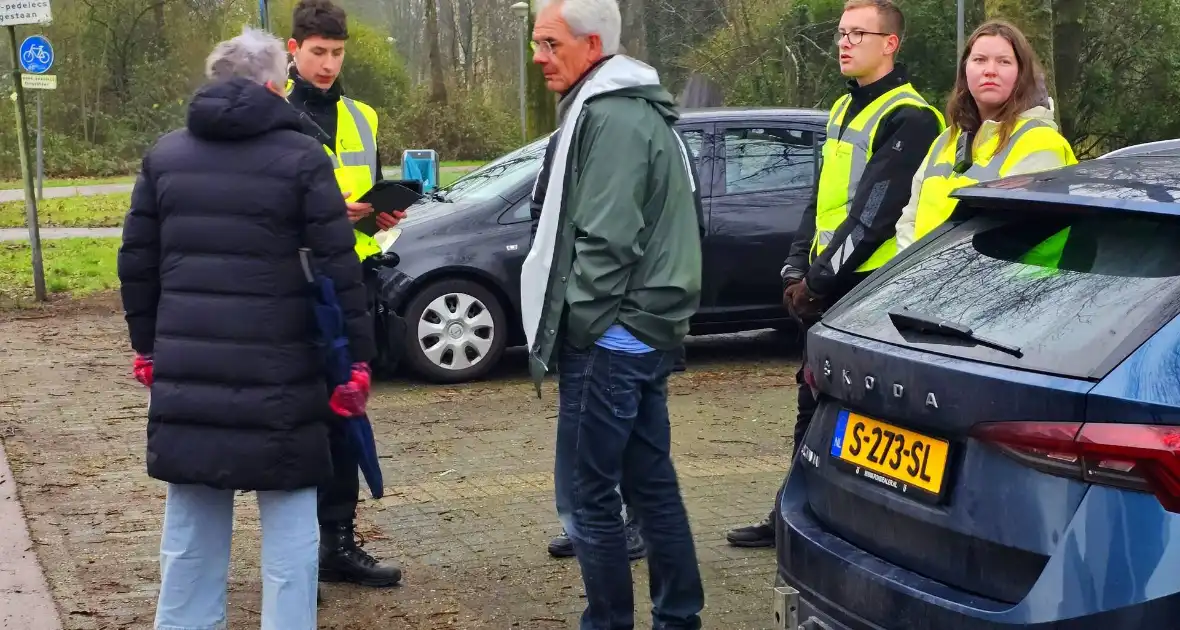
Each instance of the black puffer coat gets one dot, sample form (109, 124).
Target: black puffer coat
(213, 289)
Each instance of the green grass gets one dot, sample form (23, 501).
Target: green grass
(75, 266)
(446, 179)
(90, 211)
(77, 181)
(463, 163)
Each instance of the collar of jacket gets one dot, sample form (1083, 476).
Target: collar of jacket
(865, 94)
(571, 95)
(304, 91)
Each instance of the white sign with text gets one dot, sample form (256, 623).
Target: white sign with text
(38, 81)
(19, 12)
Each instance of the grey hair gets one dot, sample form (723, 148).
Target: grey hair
(592, 17)
(255, 55)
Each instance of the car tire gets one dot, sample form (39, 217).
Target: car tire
(469, 323)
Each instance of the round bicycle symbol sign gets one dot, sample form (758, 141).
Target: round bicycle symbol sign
(36, 55)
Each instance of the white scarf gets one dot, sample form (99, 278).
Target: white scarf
(619, 72)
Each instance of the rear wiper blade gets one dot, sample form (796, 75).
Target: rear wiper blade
(438, 195)
(905, 319)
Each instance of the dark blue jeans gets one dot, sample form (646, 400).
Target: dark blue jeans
(613, 428)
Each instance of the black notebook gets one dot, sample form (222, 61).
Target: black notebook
(387, 196)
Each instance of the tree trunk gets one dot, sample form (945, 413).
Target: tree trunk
(450, 17)
(1068, 28)
(466, 10)
(541, 103)
(634, 35)
(438, 84)
(1035, 18)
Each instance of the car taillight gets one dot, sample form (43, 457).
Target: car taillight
(1134, 456)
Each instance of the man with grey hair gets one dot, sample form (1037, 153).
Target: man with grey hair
(607, 290)
(218, 311)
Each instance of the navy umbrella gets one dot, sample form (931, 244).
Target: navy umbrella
(330, 321)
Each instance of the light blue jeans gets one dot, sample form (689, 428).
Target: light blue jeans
(194, 558)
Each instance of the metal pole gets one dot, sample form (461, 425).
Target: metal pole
(22, 135)
(524, 27)
(959, 16)
(40, 152)
(263, 15)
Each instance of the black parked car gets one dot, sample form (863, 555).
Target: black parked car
(450, 305)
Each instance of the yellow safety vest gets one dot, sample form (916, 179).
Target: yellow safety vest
(845, 156)
(355, 158)
(935, 204)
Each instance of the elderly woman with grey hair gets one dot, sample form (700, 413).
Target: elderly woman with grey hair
(218, 313)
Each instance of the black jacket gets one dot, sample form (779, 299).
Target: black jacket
(901, 143)
(213, 289)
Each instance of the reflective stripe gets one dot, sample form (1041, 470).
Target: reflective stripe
(838, 116)
(367, 156)
(987, 172)
(863, 139)
(841, 255)
(356, 158)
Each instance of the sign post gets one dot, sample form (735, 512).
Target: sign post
(12, 14)
(40, 152)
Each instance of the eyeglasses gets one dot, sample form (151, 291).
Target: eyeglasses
(547, 45)
(855, 37)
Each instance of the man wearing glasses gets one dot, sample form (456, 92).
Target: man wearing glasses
(877, 136)
(607, 290)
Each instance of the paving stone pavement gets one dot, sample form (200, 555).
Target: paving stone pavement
(25, 600)
(22, 234)
(469, 500)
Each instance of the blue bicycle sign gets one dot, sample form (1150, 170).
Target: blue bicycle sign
(36, 55)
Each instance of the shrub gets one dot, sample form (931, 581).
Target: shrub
(466, 128)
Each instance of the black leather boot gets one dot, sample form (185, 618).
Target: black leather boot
(342, 560)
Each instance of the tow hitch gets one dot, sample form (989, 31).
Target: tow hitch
(786, 612)
(786, 608)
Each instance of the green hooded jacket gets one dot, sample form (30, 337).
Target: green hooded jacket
(618, 239)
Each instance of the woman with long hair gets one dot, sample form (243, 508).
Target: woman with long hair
(999, 123)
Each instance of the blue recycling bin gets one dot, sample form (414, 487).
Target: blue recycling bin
(421, 165)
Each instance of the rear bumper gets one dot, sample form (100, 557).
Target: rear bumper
(1117, 567)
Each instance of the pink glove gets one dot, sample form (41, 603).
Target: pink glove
(349, 399)
(142, 368)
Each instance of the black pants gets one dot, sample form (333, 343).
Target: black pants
(807, 406)
(337, 498)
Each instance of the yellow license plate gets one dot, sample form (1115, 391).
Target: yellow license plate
(890, 455)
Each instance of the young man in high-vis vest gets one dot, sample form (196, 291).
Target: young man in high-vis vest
(877, 136)
(348, 130)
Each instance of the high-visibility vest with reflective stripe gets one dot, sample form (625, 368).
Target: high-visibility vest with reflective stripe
(935, 204)
(845, 157)
(355, 158)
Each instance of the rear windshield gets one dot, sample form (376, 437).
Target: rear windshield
(1076, 294)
